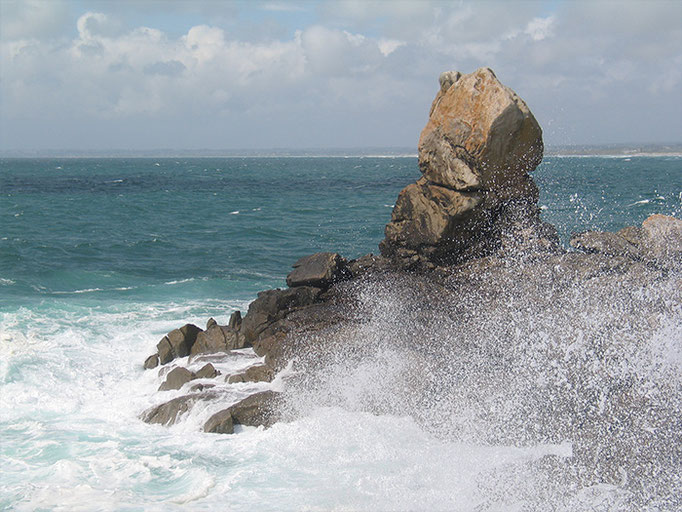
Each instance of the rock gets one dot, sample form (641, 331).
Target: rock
(661, 239)
(207, 371)
(210, 323)
(260, 409)
(235, 321)
(169, 412)
(151, 362)
(475, 153)
(220, 423)
(201, 387)
(217, 338)
(257, 373)
(273, 305)
(177, 343)
(320, 270)
(368, 264)
(605, 243)
(176, 378)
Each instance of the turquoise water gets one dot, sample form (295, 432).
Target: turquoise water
(100, 257)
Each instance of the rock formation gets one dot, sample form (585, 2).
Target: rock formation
(475, 154)
(451, 253)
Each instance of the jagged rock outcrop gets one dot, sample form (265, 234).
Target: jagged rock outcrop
(475, 153)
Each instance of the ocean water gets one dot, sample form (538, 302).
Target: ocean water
(99, 258)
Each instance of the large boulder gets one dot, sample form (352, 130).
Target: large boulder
(475, 153)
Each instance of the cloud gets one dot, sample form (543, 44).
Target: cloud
(355, 71)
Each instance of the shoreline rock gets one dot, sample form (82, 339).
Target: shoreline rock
(458, 232)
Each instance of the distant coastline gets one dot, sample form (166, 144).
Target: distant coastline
(601, 150)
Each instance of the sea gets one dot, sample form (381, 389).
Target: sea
(101, 257)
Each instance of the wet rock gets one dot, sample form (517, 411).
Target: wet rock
(169, 412)
(207, 371)
(176, 378)
(151, 362)
(260, 409)
(235, 321)
(220, 423)
(368, 264)
(177, 343)
(273, 305)
(661, 239)
(201, 387)
(217, 338)
(258, 373)
(319, 270)
(605, 243)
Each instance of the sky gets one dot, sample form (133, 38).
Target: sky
(209, 74)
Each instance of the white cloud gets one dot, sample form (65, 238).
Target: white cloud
(345, 64)
(539, 28)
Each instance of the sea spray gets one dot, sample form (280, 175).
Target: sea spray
(520, 355)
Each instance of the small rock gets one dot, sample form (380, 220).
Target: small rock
(662, 239)
(177, 343)
(235, 320)
(176, 378)
(220, 423)
(211, 322)
(260, 409)
(217, 338)
(607, 243)
(168, 412)
(257, 373)
(201, 387)
(151, 362)
(207, 371)
(320, 270)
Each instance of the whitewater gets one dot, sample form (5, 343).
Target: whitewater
(100, 258)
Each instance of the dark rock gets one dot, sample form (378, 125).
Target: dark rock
(320, 270)
(220, 423)
(217, 338)
(210, 323)
(260, 409)
(176, 378)
(201, 387)
(273, 305)
(169, 412)
(368, 264)
(258, 373)
(235, 320)
(151, 362)
(177, 343)
(207, 371)
(605, 243)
